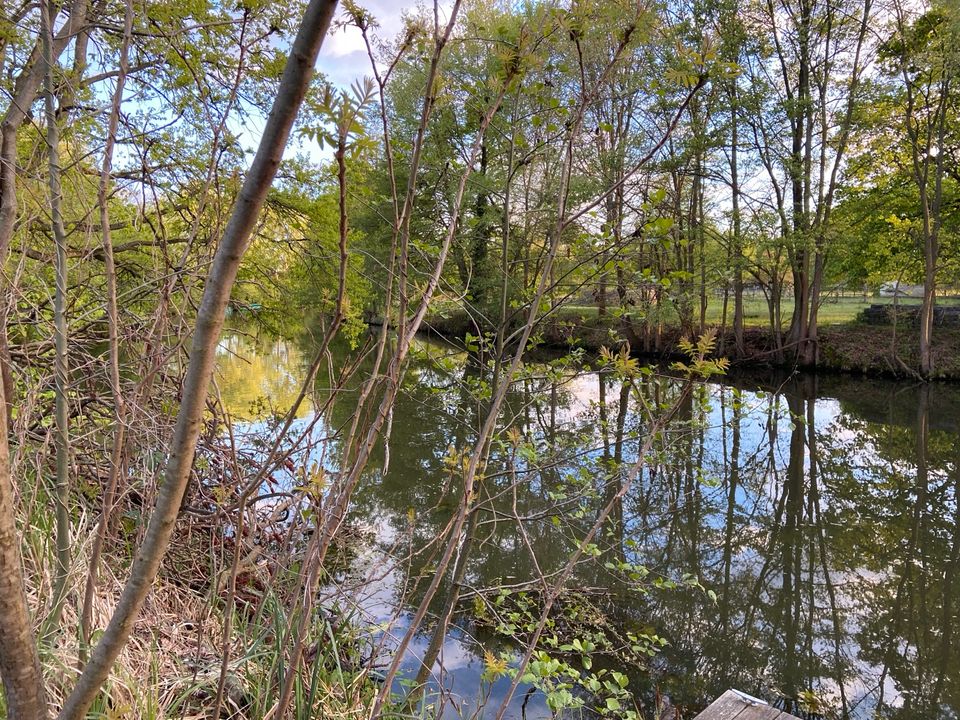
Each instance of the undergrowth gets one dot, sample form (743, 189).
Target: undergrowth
(171, 667)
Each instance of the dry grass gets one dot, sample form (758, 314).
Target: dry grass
(173, 640)
(171, 665)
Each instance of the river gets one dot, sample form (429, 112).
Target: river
(799, 537)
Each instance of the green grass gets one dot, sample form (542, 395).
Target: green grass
(834, 311)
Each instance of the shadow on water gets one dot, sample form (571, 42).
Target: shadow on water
(821, 512)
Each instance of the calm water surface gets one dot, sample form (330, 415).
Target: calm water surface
(822, 512)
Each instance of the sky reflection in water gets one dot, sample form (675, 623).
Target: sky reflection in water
(833, 552)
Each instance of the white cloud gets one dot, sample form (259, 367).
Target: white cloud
(343, 57)
(340, 42)
(346, 40)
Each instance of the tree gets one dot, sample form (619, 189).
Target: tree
(921, 55)
(22, 680)
(819, 51)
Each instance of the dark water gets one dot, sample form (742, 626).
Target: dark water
(820, 512)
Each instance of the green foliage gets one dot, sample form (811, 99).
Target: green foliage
(700, 364)
(581, 645)
(341, 117)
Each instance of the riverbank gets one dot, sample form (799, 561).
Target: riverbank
(848, 347)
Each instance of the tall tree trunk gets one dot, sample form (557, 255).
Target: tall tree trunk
(113, 323)
(702, 246)
(921, 142)
(811, 348)
(25, 90)
(930, 254)
(19, 660)
(931, 229)
(293, 87)
(737, 239)
(61, 365)
(799, 171)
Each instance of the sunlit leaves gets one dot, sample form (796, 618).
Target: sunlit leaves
(621, 362)
(701, 365)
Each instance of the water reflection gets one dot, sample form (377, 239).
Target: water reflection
(259, 375)
(822, 513)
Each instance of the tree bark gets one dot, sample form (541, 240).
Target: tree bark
(61, 365)
(737, 239)
(25, 91)
(19, 660)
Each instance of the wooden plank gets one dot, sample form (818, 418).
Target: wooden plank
(757, 709)
(763, 712)
(735, 705)
(726, 707)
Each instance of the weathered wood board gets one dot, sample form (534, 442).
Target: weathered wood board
(735, 705)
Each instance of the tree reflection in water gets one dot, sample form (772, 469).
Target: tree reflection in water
(822, 513)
